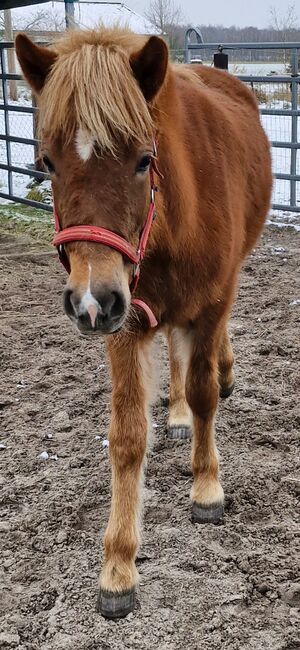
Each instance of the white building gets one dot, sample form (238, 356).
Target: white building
(87, 14)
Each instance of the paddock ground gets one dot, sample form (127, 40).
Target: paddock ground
(235, 586)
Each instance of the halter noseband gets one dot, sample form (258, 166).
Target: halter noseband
(108, 238)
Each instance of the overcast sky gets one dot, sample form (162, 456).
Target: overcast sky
(226, 12)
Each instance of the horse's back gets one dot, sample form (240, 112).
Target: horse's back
(233, 146)
(224, 82)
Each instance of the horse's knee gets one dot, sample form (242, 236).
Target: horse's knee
(202, 390)
(128, 435)
(127, 451)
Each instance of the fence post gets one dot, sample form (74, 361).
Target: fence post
(69, 14)
(294, 138)
(38, 164)
(11, 62)
(6, 121)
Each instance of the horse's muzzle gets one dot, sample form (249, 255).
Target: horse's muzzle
(103, 312)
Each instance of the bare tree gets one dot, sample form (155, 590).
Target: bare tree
(39, 20)
(42, 20)
(166, 17)
(164, 13)
(284, 23)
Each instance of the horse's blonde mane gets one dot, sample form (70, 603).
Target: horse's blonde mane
(91, 87)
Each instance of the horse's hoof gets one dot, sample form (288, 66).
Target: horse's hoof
(114, 605)
(179, 432)
(226, 391)
(207, 514)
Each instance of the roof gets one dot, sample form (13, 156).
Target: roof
(10, 4)
(87, 14)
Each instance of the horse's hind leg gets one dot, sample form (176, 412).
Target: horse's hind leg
(127, 444)
(179, 422)
(226, 360)
(202, 391)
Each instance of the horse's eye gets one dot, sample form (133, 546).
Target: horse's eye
(144, 163)
(48, 164)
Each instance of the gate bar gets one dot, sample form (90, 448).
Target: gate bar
(294, 138)
(6, 124)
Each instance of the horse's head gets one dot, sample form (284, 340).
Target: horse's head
(96, 93)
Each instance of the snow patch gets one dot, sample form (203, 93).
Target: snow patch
(44, 455)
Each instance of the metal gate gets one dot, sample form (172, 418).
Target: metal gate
(279, 98)
(18, 144)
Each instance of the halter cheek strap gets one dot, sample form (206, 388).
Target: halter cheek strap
(106, 237)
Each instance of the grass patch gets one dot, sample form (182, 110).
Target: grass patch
(22, 219)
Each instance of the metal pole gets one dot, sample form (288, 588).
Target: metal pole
(6, 122)
(294, 139)
(69, 14)
(8, 34)
(38, 163)
(187, 41)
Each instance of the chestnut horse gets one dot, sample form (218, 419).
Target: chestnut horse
(108, 98)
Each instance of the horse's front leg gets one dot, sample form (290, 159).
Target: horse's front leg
(127, 445)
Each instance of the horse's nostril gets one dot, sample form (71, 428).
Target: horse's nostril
(68, 305)
(112, 305)
(118, 305)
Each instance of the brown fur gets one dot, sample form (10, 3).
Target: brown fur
(211, 207)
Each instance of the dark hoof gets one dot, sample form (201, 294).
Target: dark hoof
(207, 514)
(179, 432)
(226, 392)
(113, 605)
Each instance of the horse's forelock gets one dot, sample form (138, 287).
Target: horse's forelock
(91, 87)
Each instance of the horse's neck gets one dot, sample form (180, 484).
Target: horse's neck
(177, 200)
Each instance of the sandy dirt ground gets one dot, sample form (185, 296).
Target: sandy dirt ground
(234, 586)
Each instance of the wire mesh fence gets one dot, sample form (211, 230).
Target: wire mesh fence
(270, 70)
(19, 159)
(273, 97)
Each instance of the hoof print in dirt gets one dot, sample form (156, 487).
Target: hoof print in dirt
(179, 432)
(113, 605)
(207, 514)
(226, 391)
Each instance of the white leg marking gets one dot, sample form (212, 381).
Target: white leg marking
(84, 143)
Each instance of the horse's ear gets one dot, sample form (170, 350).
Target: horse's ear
(34, 60)
(149, 66)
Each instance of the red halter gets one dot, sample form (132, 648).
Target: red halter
(109, 238)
